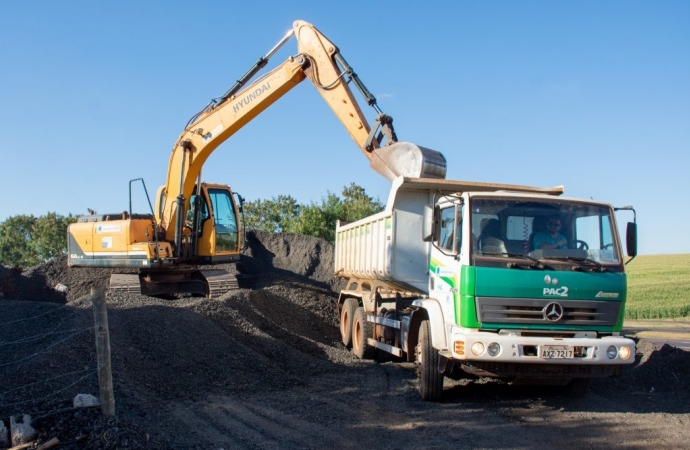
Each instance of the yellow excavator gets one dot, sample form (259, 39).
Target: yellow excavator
(195, 224)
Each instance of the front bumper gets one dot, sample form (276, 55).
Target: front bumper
(513, 348)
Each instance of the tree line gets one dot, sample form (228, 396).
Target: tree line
(27, 240)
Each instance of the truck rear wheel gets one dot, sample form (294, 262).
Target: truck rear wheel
(347, 315)
(361, 330)
(430, 381)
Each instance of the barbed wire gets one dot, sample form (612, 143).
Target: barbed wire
(19, 361)
(28, 339)
(34, 317)
(41, 414)
(33, 400)
(52, 329)
(19, 388)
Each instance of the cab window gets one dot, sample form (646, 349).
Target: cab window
(451, 230)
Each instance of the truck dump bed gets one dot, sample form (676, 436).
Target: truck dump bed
(388, 246)
(385, 247)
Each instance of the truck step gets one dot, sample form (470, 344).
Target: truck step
(385, 347)
(383, 321)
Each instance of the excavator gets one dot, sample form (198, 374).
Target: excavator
(195, 224)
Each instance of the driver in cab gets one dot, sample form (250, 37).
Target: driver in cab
(551, 239)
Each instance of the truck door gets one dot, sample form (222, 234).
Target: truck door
(444, 279)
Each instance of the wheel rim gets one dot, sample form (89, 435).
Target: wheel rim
(345, 322)
(356, 332)
(419, 359)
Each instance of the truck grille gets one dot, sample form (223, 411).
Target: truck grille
(532, 311)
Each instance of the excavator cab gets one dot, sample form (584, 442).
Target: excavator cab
(212, 229)
(214, 219)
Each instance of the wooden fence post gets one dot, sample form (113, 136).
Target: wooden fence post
(105, 375)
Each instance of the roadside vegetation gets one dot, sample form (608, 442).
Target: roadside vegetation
(658, 287)
(283, 214)
(27, 240)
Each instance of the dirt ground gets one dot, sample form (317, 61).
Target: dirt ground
(263, 367)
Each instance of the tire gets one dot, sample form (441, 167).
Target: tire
(347, 315)
(430, 381)
(577, 387)
(361, 330)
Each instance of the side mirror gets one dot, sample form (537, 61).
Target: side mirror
(240, 202)
(430, 227)
(428, 224)
(631, 239)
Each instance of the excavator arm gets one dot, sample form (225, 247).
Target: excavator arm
(318, 60)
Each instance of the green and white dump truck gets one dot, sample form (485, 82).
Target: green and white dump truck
(427, 284)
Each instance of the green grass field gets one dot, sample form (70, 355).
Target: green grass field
(658, 287)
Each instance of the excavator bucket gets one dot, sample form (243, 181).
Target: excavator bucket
(408, 160)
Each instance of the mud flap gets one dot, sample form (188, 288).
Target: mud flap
(443, 365)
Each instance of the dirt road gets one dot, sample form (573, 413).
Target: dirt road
(263, 368)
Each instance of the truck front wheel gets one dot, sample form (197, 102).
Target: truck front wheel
(430, 381)
(347, 315)
(361, 330)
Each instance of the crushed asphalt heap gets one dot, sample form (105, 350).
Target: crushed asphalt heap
(278, 331)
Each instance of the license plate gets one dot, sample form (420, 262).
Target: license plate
(556, 351)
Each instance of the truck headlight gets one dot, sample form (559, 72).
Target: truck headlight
(624, 352)
(477, 348)
(494, 349)
(612, 352)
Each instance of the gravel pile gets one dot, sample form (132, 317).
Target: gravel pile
(281, 323)
(276, 333)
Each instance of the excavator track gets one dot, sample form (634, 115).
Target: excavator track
(212, 282)
(125, 283)
(219, 282)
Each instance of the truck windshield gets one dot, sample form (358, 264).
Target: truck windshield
(544, 230)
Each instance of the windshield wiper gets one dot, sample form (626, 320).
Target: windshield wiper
(535, 263)
(589, 260)
(585, 259)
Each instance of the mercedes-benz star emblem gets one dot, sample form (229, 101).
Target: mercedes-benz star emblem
(553, 312)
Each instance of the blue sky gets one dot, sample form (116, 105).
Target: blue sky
(592, 95)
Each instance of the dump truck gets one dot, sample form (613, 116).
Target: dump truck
(476, 279)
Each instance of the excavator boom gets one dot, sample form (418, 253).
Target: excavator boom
(319, 60)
